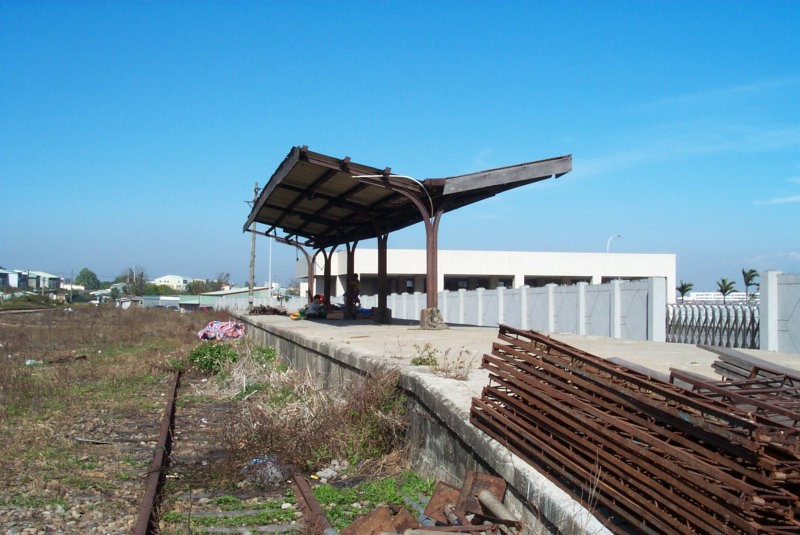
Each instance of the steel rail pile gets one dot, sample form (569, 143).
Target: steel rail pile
(770, 394)
(637, 450)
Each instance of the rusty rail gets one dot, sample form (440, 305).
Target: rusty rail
(146, 522)
(317, 520)
(637, 450)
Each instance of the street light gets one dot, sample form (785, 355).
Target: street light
(608, 243)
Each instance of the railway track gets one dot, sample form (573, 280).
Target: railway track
(184, 493)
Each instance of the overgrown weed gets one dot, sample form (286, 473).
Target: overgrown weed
(286, 415)
(443, 365)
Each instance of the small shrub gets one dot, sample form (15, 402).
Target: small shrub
(426, 355)
(457, 368)
(209, 357)
(265, 355)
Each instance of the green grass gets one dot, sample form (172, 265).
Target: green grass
(135, 463)
(34, 501)
(271, 516)
(338, 503)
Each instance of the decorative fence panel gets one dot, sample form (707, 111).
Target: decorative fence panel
(714, 325)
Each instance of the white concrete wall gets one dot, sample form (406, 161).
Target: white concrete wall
(632, 310)
(780, 311)
(242, 303)
(508, 264)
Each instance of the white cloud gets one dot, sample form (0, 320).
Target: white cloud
(722, 93)
(780, 200)
(788, 261)
(698, 139)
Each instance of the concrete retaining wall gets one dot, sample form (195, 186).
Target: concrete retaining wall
(632, 310)
(780, 311)
(444, 445)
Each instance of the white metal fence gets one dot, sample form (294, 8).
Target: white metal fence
(714, 325)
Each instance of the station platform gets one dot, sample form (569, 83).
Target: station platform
(354, 344)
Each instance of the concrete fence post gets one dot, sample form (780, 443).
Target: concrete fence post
(551, 307)
(581, 313)
(768, 328)
(614, 312)
(657, 309)
(443, 304)
(480, 306)
(500, 295)
(461, 293)
(404, 305)
(523, 307)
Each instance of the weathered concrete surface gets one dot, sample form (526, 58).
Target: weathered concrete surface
(444, 443)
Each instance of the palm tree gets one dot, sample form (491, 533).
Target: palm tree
(684, 288)
(726, 288)
(750, 277)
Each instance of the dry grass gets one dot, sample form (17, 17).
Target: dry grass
(94, 364)
(287, 416)
(101, 367)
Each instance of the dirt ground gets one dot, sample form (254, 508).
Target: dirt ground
(81, 395)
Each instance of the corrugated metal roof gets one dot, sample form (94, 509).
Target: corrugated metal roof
(322, 201)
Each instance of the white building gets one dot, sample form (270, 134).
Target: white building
(489, 269)
(176, 282)
(78, 288)
(716, 298)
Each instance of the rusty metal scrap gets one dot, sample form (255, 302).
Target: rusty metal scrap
(446, 501)
(643, 454)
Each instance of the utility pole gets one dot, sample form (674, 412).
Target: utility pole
(252, 251)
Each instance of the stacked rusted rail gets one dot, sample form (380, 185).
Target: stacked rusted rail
(646, 455)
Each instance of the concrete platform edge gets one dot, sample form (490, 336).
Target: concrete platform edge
(542, 503)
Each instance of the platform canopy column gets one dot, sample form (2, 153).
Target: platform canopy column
(349, 292)
(382, 314)
(326, 280)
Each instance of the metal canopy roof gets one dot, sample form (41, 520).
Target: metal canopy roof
(321, 201)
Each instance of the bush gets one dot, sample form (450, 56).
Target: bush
(209, 357)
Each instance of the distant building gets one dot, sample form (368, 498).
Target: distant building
(469, 270)
(716, 298)
(37, 280)
(176, 282)
(9, 278)
(77, 288)
(161, 301)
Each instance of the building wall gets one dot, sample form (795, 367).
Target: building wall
(469, 270)
(176, 282)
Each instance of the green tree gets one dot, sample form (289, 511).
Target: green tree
(749, 277)
(198, 286)
(726, 288)
(138, 283)
(684, 288)
(88, 279)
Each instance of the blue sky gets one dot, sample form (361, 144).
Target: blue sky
(131, 133)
